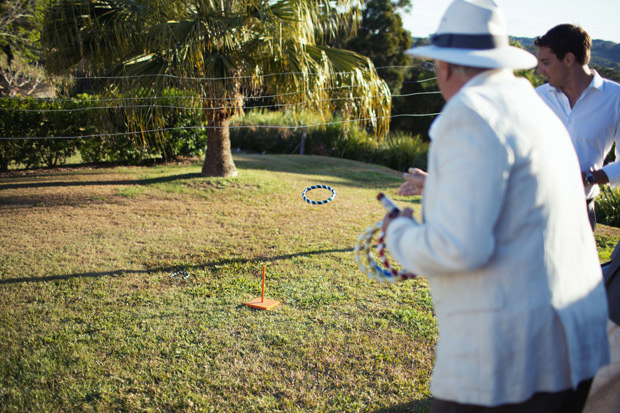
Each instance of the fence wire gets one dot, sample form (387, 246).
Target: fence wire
(142, 102)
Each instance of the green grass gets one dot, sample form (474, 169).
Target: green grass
(95, 316)
(92, 318)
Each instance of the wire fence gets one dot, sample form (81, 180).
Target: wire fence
(196, 103)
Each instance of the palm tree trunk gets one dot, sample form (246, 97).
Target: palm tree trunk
(218, 158)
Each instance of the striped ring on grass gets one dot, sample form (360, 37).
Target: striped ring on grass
(310, 188)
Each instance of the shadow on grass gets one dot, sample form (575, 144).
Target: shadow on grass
(148, 181)
(171, 269)
(418, 406)
(342, 171)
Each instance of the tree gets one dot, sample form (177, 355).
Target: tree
(20, 24)
(419, 99)
(607, 73)
(222, 51)
(382, 38)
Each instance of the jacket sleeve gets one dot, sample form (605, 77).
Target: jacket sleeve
(469, 168)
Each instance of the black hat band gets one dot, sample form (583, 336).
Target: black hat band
(469, 41)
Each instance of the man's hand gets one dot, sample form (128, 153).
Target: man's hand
(414, 182)
(600, 177)
(407, 212)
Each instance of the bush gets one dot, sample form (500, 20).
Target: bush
(343, 140)
(165, 113)
(607, 207)
(257, 131)
(36, 118)
(87, 116)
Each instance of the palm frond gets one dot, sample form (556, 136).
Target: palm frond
(221, 49)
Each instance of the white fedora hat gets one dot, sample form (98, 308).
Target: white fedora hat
(473, 33)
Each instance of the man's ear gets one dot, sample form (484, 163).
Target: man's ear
(445, 70)
(569, 59)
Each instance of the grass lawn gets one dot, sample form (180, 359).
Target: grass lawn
(124, 289)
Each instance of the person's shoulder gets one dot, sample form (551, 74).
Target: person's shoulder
(611, 86)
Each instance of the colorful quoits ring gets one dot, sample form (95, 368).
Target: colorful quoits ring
(367, 263)
(310, 188)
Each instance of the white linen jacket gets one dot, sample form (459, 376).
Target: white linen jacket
(507, 248)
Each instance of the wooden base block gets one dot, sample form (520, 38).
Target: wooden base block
(260, 304)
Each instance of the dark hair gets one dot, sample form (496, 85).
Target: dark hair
(566, 38)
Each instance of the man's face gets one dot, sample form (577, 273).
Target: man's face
(440, 72)
(552, 68)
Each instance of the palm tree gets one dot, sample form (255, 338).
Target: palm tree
(221, 51)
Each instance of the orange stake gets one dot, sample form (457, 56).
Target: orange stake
(262, 296)
(263, 303)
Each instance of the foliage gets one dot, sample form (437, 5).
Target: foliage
(382, 38)
(221, 52)
(532, 74)
(419, 96)
(605, 53)
(607, 207)
(36, 118)
(20, 25)
(180, 127)
(103, 126)
(258, 131)
(608, 73)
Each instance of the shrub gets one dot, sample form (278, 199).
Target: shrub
(607, 207)
(340, 139)
(87, 116)
(36, 118)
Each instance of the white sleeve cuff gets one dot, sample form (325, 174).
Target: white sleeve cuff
(612, 171)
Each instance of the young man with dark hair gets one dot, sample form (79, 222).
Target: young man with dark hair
(566, 38)
(587, 104)
(589, 107)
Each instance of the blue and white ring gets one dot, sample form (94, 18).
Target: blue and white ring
(310, 188)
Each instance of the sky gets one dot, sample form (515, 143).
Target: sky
(528, 18)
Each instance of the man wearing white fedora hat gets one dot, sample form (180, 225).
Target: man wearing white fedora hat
(505, 241)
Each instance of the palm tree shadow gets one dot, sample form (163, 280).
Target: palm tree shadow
(169, 269)
(417, 406)
(149, 181)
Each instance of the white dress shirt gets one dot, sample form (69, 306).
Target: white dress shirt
(593, 124)
(507, 248)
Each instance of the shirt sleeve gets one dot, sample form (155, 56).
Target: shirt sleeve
(612, 170)
(469, 167)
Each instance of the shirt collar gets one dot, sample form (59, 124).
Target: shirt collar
(596, 83)
(488, 76)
